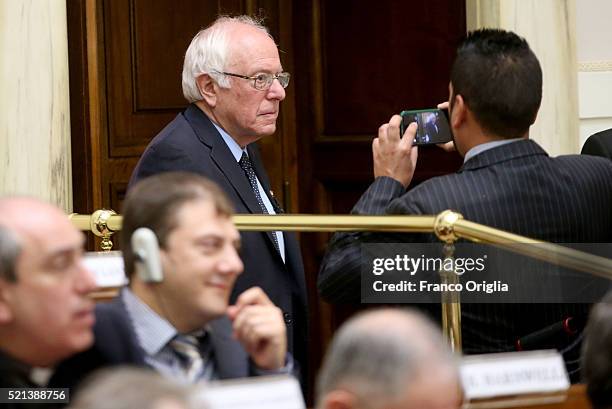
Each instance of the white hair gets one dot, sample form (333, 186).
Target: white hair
(207, 54)
(375, 353)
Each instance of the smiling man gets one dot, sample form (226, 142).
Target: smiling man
(234, 81)
(177, 321)
(45, 312)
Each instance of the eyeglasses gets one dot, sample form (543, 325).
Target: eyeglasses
(263, 81)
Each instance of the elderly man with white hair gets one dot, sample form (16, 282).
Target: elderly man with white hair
(234, 81)
(389, 359)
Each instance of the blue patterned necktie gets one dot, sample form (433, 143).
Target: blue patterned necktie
(247, 166)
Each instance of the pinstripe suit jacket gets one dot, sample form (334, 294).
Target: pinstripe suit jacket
(515, 187)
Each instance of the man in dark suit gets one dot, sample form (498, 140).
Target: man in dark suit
(507, 181)
(180, 252)
(599, 144)
(233, 78)
(46, 314)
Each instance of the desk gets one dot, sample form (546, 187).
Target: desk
(575, 398)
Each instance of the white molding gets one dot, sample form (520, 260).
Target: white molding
(594, 66)
(594, 90)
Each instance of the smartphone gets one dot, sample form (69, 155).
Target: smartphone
(432, 124)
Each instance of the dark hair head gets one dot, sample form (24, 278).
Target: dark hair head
(597, 354)
(500, 80)
(155, 202)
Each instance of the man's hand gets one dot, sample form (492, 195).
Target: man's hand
(395, 157)
(259, 326)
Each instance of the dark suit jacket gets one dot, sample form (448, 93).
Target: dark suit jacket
(191, 143)
(116, 344)
(516, 187)
(599, 144)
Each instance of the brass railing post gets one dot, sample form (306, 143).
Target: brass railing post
(451, 301)
(99, 224)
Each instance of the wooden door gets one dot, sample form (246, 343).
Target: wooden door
(357, 63)
(353, 64)
(126, 58)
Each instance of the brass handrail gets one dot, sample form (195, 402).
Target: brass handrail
(296, 222)
(456, 227)
(448, 227)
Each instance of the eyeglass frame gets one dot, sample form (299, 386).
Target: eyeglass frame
(254, 78)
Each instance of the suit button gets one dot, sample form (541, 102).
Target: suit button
(288, 319)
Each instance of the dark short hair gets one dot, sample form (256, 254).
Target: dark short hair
(597, 354)
(155, 201)
(10, 249)
(500, 80)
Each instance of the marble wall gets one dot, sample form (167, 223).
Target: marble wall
(549, 27)
(34, 102)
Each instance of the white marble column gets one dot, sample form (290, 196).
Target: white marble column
(549, 27)
(34, 102)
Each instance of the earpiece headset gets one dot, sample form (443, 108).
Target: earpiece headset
(146, 249)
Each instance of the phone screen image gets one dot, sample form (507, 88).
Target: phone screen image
(432, 125)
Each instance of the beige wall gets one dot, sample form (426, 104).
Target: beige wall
(549, 27)
(594, 51)
(34, 101)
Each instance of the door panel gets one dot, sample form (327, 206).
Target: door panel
(353, 65)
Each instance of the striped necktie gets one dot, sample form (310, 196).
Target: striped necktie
(195, 355)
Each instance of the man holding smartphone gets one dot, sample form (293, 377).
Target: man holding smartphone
(507, 181)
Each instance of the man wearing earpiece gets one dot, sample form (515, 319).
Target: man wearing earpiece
(174, 317)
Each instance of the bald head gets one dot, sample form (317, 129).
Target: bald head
(45, 312)
(26, 222)
(388, 358)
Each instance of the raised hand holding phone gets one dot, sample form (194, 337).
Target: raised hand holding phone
(395, 156)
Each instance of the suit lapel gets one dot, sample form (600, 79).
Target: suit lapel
(253, 150)
(222, 156)
(119, 335)
(226, 163)
(230, 358)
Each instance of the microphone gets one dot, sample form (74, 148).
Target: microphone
(568, 326)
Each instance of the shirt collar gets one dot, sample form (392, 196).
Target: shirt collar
(153, 331)
(478, 149)
(231, 143)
